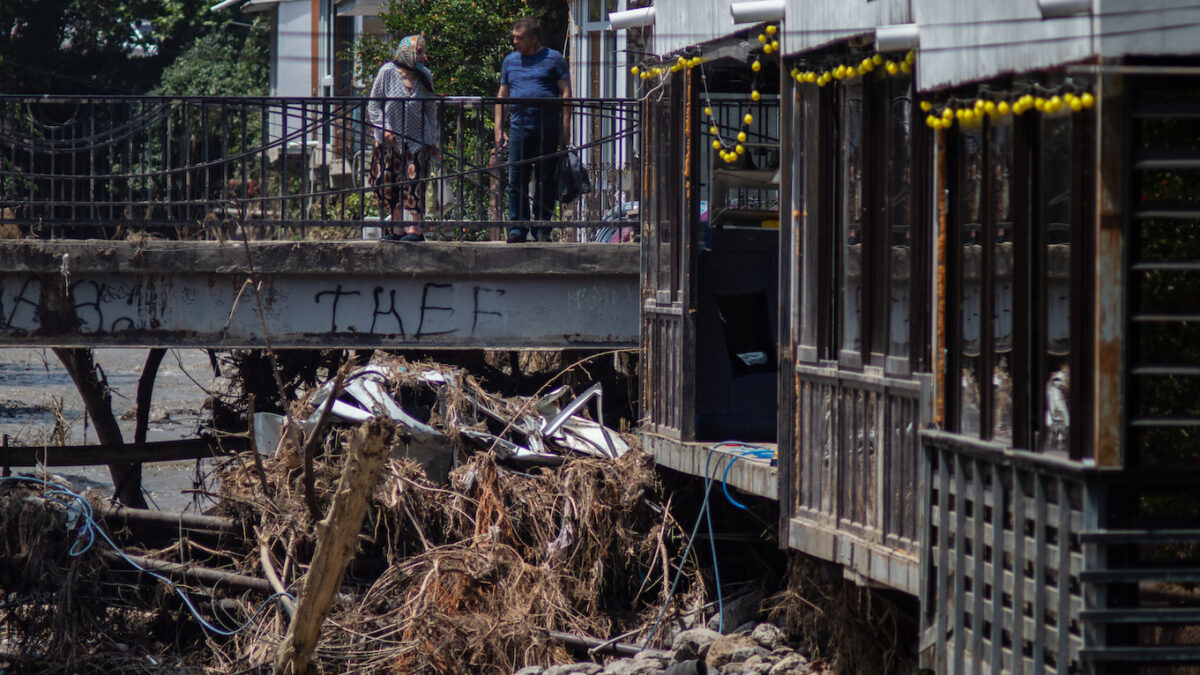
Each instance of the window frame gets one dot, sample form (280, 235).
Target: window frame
(820, 200)
(1028, 366)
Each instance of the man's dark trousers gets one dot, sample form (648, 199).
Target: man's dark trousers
(532, 152)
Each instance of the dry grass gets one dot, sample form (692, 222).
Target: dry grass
(853, 628)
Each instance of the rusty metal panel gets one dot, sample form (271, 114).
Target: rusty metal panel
(681, 23)
(318, 295)
(1108, 393)
(1146, 27)
(810, 25)
(970, 41)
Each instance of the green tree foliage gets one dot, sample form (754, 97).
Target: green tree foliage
(466, 39)
(90, 47)
(240, 68)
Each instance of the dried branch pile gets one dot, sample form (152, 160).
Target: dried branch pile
(476, 573)
(465, 576)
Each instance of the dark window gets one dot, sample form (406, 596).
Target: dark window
(1016, 212)
(863, 259)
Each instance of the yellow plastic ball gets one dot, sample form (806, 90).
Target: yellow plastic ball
(681, 61)
(851, 71)
(892, 68)
(1087, 99)
(839, 72)
(775, 45)
(708, 111)
(695, 61)
(960, 113)
(771, 30)
(926, 106)
(762, 38)
(754, 96)
(1076, 104)
(741, 137)
(866, 66)
(756, 66)
(877, 59)
(1002, 107)
(931, 121)
(716, 145)
(1039, 103)
(635, 70)
(1056, 101)
(767, 49)
(713, 130)
(990, 107)
(739, 149)
(748, 119)
(810, 76)
(947, 114)
(906, 67)
(910, 56)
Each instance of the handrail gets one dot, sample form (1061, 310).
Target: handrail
(70, 164)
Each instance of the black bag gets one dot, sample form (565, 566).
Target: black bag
(573, 179)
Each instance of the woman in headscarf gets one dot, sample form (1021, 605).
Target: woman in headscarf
(407, 135)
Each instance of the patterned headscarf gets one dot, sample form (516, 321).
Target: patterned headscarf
(406, 55)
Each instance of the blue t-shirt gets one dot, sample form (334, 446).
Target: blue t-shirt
(534, 76)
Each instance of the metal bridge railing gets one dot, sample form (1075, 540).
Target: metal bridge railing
(280, 167)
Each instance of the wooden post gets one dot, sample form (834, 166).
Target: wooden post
(337, 536)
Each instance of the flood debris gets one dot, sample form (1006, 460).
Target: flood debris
(528, 430)
(499, 533)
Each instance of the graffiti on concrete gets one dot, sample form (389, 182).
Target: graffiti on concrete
(413, 310)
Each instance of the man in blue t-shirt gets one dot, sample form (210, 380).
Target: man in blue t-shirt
(534, 130)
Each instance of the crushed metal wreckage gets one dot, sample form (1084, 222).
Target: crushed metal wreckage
(523, 430)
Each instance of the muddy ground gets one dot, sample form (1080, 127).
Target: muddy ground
(39, 404)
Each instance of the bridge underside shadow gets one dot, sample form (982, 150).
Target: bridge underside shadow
(348, 294)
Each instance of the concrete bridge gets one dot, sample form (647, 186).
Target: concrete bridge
(344, 294)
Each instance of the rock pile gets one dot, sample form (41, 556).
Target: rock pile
(754, 649)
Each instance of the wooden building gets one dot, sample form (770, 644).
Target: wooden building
(943, 256)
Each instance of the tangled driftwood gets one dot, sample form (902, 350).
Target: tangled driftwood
(483, 573)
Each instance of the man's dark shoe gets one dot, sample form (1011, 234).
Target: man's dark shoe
(516, 236)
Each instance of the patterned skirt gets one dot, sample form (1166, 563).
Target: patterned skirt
(397, 176)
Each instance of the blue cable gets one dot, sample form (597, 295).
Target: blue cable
(687, 549)
(753, 452)
(91, 527)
